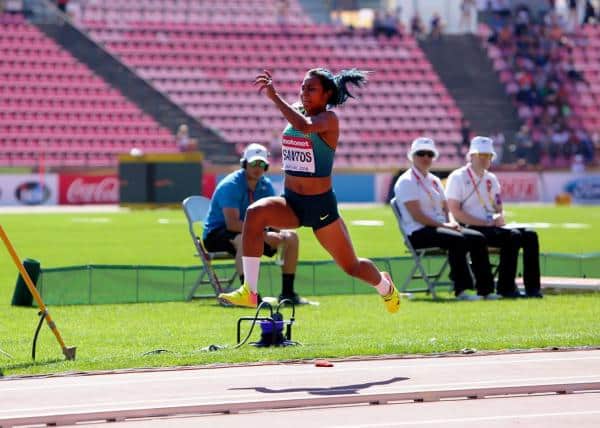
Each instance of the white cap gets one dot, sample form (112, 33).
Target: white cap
(481, 145)
(422, 144)
(256, 152)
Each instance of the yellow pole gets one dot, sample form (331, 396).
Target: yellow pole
(69, 352)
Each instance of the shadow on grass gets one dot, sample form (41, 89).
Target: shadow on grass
(428, 299)
(334, 390)
(28, 365)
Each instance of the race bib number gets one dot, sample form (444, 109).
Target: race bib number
(297, 154)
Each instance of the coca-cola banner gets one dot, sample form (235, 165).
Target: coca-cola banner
(88, 189)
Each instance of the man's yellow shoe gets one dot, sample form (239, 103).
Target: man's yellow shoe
(240, 297)
(391, 300)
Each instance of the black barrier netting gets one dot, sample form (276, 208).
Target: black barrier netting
(102, 284)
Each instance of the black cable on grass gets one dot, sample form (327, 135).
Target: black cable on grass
(262, 304)
(37, 331)
(157, 351)
(213, 347)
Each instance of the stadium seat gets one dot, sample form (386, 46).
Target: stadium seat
(46, 95)
(195, 209)
(431, 279)
(205, 64)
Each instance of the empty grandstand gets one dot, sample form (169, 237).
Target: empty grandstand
(55, 110)
(205, 57)
(64, 109)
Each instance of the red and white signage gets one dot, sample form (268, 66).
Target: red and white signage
(520, 186)
(88, 189)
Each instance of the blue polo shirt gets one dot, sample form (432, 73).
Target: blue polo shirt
(232, 192)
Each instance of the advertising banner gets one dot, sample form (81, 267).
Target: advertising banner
(28, 189)
(583, 188)
(520, 186)
(88, 189)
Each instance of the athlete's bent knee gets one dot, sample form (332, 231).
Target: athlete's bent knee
(290, 238)
(255, 216)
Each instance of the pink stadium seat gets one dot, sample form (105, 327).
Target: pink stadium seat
(206, 60)
(52, 104)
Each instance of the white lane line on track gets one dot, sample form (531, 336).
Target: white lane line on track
(443, 422)
(592, 376)
(261, 372)
(126, 405)
(212, 398)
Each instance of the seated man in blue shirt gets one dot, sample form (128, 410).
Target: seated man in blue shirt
(225, 218)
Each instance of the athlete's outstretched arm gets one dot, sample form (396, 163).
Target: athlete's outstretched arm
(323, 122)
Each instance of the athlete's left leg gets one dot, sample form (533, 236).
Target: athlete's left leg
(271, 211)
(336, 240)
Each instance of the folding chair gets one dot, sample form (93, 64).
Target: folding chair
(431, 279)
(195, 209)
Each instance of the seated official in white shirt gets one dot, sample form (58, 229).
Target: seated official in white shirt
(422, 203)
(474, 199)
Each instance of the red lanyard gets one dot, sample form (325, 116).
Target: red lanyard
(476, 187)
(420, 183)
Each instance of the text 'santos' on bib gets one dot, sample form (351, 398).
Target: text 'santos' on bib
(297, 154)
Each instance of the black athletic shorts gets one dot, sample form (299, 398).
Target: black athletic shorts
(220, 240)
(314, 211)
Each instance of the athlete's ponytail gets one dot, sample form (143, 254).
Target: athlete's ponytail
(338, 84)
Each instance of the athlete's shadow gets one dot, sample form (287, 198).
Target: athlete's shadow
(333, 390)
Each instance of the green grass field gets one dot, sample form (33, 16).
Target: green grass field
(116, 336)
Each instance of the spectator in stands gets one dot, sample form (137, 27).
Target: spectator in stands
(225, 219)
(391, 24)
(13, 7)
(182, 137)
(585, 145)
(75, 9)
(386, 24)
(501, 9)
(340, 27)
(283, 9)
(577, 165)
(543, 83)
(522, 20)
(417, 29)
(184, 142)
(422, 203)
(499, 141)
(465, 133)
(62, 5)
(308, 147)
(378, 23)
(337, 21)
(435, 30)
(474, 199)
(467, 8)
(589, 15)
(559, 145)
(572, 16)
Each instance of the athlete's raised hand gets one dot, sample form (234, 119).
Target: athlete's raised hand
(265, 81)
